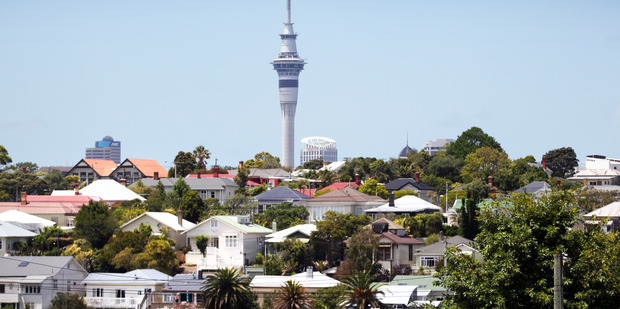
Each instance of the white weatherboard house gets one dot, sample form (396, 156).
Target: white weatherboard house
(34, 280)
(312, 281)
(233, 242)
(135, 289)
(160, 220)
(10, 235)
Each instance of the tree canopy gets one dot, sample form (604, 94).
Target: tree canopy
(95, 223)
(263, 160)
(562, 161)
(4, 156)
(470, 140)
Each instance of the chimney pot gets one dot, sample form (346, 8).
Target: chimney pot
(417, 177)
(544, 162)
(24, 199)
(156, 175)
(357, 179)
(391, 199)
(180, 216)
(216, 171)
(24, 169)
(491, 181)
(76, 189)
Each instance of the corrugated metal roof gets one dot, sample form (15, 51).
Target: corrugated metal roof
(36, 265)
(346, 194)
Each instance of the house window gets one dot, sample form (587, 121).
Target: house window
(98, 292)
(55, 284)
(1, 288)
(385, 253)
(213, 223)
(428, 261)
(120, 293)
(231, 241)
(212, 194)
(215, 242)
(410, 252)
(0, 244)
(31, 289)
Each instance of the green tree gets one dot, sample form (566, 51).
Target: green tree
(201, 243)
(330, 298)
(469, 141)
(65, 300)
(297, 251)
(361, 291)
(423, 225)
(158, 254)
(156, 200)
(292, 295)
(184, 163)
(313, 164)
(29, 167)
(327, 177)
(381, 171)
(327, 242)
(363, 250)
(356, 166)
(226, 289)
(285, 214)
(201, 154)
(482, 163)
(445, 166)
(4, 156)
(468, 218)
(372, 187)
(519, 173)
(518, 244)
(562, 161)
(192, 206)
(242, 177)
(263, 160)
(95, 223)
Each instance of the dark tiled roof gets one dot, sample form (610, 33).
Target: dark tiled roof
(403, 240)
(401, 182)
(347, 194)
(403, 153)
(534, 187)
(282, 193)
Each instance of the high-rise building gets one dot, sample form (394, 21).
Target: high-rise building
(318, 148)
(105, 149)
(288, 65)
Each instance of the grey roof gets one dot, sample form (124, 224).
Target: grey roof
(281, 194)
(8, 229)
(142, 276)
(36, 265)
(534, 187)
(401, 182)
(422, 282)
(184, 282)
(194, 183)
(403, 153)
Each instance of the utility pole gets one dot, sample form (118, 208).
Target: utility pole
(558, 285)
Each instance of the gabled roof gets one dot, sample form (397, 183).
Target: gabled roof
(166, 219)
(281, 194)
(184, 282)
(609, 211)
(146, 167)
(534, 187)
(36, 265)
(102, 167)
(401, 240)
(20, 217)
(110, 191)
(395, 294)
(41, 208)
(391, 224)
(340, 185)
(233, 222)
(407, 203)
(194, 183)
(77, 200)
(347, 194)
(10, 230)
(399, 183)
(280, 236)
(138, 276)
(439, 247)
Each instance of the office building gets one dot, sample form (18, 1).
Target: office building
(318, 148)
(105, 149)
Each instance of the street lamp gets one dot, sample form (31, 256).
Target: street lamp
(175, 168)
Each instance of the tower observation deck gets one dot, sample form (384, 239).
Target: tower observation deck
(288, 65)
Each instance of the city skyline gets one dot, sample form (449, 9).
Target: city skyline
(167, 77)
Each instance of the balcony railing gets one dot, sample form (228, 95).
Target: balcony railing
(109, 302)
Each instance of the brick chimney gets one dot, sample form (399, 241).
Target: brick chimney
(216, 172)
(491, 182)
(155, 175)
(124, 182)
(24, 199)
(544, 162)
(240, 164)
(417, 177)
(358, 181)
(76, 189)
(24, 169)
(180, 216)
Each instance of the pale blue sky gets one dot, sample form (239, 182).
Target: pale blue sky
(164, 76)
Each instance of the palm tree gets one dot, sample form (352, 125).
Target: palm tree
(362, 292)
(292, 296)
(226, 289)
(201, 154)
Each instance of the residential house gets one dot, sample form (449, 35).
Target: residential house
(424, 191)
(346, 200)
(215, 187)
(63, 170)
(11, 235)
(135, 289)
(183, 291)
(278, 195)
(26, 221)
(409, 205)
(233, 242)
(312, 281)
(133, 170)
(610, 213)
(33, 281)
(300, 232)
(270, 176)
(396, 296)
(107, 190)
(395, 246)
(90, 170)
(428, 257)
(59, 209)
(160, 221)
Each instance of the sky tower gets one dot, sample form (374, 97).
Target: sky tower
(288, 65)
